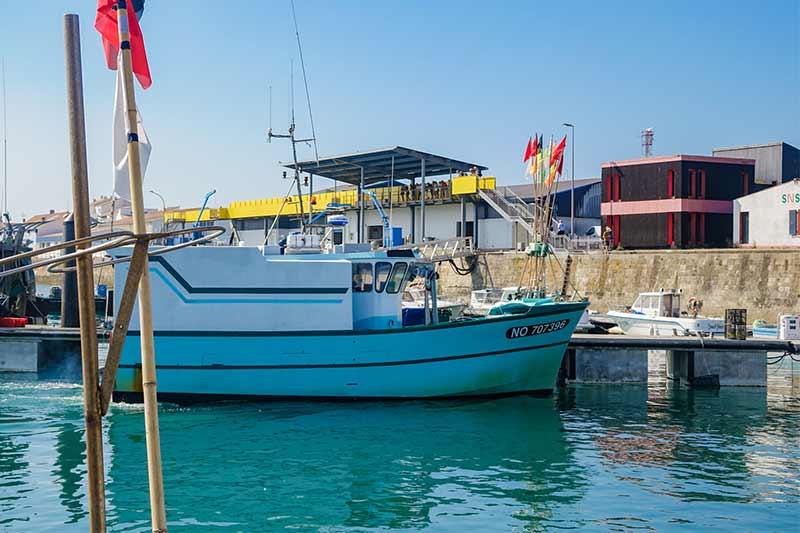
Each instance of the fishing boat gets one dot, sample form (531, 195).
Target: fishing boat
(247, 322)
(659, 313)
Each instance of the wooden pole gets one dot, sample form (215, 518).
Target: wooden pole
(80, 205)
(157, 512)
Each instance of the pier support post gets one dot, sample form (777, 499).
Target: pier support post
(69, 283)
(733, 368)
(608, 365)
(80, 206)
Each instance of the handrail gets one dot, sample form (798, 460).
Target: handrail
(114, 239)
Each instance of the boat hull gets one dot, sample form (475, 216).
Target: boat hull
(493, 356)
(643, 325)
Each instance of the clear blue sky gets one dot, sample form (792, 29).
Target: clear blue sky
(466, 79)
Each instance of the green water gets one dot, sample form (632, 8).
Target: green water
(590, 458)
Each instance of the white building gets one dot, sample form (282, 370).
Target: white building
(770, 217)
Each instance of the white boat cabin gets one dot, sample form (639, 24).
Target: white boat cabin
(224, 288)
(658, 304)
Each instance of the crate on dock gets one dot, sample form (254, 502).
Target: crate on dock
(736, 324)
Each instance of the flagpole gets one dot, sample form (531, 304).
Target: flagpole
(154, 470)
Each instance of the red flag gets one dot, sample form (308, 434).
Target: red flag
(559, 151)
(106, 24)
(529, 150)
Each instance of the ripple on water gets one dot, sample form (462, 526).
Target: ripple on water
(592, 458)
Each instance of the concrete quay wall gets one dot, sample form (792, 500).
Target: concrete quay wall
(766, 282)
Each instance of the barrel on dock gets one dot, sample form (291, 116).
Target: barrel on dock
(736, 324)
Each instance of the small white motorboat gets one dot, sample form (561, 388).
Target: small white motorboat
(659, 313)
(482, 300)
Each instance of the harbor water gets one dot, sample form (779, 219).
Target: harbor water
(590, 458)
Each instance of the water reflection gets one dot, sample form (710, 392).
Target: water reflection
(592, 457)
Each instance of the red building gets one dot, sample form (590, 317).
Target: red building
(681, 201)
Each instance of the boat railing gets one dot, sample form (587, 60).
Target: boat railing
(444, 249)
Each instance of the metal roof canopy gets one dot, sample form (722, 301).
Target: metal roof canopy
(377, 165)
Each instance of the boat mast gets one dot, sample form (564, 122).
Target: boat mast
(5, 143)
(294, 141)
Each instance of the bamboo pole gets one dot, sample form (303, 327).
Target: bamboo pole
(122, 322)
(155, 476)
(80, 204)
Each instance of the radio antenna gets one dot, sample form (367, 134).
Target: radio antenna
(305, 83)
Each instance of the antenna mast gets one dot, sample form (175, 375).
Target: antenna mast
(647, 142)
(294, 141)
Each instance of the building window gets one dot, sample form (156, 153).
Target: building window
(470, 226)
(744, 227)
(670, 184)
(702, 174)
(374, 233)
(670, 228)
(794, 223)
(616, 194)
(692, 183)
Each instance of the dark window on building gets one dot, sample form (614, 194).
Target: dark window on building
(692, 183)
(702, 174)
(745, 183)
(616, 194)
(470, 229)
(382, 270)
(744, 227)
(248, 224)
(362, 277)
(374, 233)
(670, 184)
(793, 226)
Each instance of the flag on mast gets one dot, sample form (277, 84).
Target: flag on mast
(106, 24)
(122, 184)
(533, 147)
(557, 159)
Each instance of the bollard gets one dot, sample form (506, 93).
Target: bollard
(69, 289)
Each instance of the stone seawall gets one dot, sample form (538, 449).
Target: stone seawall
(765, 282)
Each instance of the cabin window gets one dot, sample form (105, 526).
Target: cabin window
(362, 277)
(382, 270)
(396, 278)
(374, 233)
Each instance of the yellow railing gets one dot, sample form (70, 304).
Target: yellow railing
(270, 207)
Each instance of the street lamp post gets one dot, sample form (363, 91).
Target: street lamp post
(572, 188)
(163, 203)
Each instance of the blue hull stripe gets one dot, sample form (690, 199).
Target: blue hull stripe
(185, 300)
(352, 365)
(243, 290)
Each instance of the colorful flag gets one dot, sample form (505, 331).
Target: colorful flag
(559, 151)
(534, 148)
(529, 150)
(106, 24)
(122, 187)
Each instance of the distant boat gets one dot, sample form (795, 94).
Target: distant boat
(239, 322)
(659, 313)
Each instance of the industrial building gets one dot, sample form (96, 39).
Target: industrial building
(680, 201)
(424, 196)
(770, 217)
(777, 162)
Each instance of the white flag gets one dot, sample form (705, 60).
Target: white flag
(122, 186)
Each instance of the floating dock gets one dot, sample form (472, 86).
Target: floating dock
(692, 361)
(46, 350)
